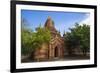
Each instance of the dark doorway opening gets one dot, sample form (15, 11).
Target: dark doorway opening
(56, 52)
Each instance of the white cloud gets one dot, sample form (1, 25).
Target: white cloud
(85, 21)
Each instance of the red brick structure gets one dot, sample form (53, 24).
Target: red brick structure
(53, 50)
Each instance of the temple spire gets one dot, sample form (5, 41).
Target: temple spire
(49, 18)
(49, 22)
(64, 33)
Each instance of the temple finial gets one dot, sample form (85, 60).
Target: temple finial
(49, 17)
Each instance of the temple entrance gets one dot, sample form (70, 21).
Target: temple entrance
(56, 54)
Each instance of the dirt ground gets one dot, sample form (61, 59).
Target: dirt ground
(66, 58)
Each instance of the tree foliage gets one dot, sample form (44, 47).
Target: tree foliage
(42, 35)
(78, 37)
(31, 40)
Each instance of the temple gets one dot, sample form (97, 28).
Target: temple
(55, 48)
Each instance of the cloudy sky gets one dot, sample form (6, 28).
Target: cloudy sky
(63, 20)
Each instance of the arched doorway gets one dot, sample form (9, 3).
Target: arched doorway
(56, 53)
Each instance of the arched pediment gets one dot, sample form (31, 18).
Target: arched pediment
(57, 40)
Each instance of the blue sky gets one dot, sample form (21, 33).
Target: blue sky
(62, 20)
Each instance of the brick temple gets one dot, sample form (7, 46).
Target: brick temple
(55, 48)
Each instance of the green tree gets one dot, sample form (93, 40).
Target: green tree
(78, 37)
(42, 35)
(26, 36)
(32, 40)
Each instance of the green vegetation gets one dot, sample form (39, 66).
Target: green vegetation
(31, 40)
(78, 37)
